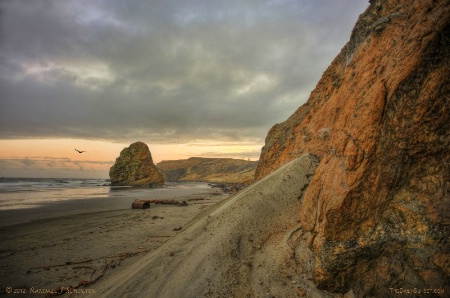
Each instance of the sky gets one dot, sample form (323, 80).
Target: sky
(204, 78)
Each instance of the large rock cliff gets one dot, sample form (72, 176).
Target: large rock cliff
(135, 167)
(376, 216)
(226, 170)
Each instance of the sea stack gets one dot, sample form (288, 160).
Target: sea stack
(135, 167)
(377, 211)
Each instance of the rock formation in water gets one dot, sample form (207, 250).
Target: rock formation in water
(134, 167)
(223, 170)
(376, 215)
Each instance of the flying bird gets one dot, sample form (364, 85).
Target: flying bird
(79, 151)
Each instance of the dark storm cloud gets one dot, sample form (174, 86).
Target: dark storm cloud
(168, 71)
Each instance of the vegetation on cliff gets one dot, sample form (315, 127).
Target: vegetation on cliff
(223, 170)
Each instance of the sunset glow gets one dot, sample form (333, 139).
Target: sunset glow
(58, 158)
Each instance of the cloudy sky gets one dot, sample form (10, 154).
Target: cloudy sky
(189, 78)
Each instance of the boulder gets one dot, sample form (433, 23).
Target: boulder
(135, 167)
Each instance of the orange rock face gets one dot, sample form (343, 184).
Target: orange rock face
(378, 208)
(135, 167)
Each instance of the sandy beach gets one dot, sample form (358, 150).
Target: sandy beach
(250, 244)
(72, 244)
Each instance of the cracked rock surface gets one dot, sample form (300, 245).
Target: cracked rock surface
(378, 207)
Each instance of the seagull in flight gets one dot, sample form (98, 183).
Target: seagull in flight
(79, 151)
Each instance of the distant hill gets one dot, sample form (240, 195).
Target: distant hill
(226, 170)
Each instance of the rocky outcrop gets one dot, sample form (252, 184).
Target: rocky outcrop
(134, 167)
(376, 216)
(223, 170)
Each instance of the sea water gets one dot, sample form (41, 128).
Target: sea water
(19, 193)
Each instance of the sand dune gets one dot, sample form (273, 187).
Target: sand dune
(241, 248)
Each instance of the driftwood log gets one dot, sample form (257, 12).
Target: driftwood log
(140, 205)
(145, 204)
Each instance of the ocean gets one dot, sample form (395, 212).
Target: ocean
(22, 193)
(18, 193)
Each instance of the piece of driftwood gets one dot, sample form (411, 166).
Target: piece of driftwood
(140, 205)
(61, 265)
(196, 199)
(145, 204)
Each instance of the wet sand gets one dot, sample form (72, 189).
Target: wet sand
(74, 243)
(115, 199)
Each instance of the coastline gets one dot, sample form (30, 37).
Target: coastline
(116, 198)
(76, 241)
